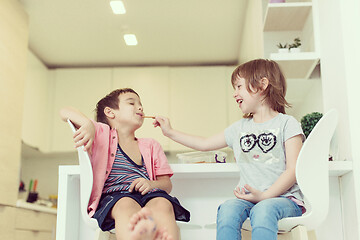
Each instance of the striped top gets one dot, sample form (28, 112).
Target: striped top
(123, 172)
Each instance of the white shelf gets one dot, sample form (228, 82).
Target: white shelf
(296, 65)
(286, 16)
(230, 170)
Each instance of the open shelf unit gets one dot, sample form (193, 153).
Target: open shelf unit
(286, 16)
(282, 23)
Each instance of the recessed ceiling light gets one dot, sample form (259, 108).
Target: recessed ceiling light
(118, 7)
(130, 39)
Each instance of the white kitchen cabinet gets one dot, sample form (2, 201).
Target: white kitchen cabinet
(31, 225)
(152, 84)
(35, 124)
(79, 88)
(198, 102)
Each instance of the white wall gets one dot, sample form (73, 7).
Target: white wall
(339, 38)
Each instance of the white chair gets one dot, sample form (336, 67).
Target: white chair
(312, 174)
(86, 183)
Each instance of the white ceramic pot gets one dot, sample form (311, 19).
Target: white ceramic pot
(283, 50)
(295, 50)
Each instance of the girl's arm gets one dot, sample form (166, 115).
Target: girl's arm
(144, 186)
(85, 132)
(286, 180)
(194, 142)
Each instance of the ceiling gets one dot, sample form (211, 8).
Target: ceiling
(85, 33)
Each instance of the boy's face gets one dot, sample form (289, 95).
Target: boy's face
(247, 101)
(130, 110)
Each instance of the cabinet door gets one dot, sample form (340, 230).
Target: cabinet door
(152, 84)
(14, 31)
(32, 235)
(79, 88)
(198, 103)
(7, 222)
(36, 105)
(40, 221)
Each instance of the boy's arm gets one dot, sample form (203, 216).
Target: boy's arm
(163, 182)
(144, 186)
(85, 132)
(195, 142)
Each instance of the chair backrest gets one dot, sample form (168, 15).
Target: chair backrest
(312, 169)
(86, 183)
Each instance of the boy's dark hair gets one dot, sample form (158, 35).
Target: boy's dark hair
(112, 101)
(255, 70)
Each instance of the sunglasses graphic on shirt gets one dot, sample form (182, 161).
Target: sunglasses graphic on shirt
(265, 141)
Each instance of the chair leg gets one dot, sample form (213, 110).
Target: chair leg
(299, 233)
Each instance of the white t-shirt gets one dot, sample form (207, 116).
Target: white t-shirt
(259, 150)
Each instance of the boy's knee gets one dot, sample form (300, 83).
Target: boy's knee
(125, 205)
(160, 204)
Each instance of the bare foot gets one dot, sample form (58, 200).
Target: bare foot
(162, 234)
(143, 214)
(142, 226)
(145, 229)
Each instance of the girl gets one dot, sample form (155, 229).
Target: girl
(266, 143)
(129, 173)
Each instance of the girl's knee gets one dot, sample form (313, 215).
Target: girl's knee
(232, 206)
(233, 211)
(264, 216)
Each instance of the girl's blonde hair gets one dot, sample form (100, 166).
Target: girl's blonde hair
(254, 71)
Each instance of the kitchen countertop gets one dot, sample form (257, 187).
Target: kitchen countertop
(21, 203)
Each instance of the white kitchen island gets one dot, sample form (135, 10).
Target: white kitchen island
(200, 188)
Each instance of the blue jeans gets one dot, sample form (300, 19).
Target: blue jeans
(264, 217)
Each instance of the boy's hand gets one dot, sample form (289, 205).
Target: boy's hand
(141, 185)
(253, 194)
(84, 136)
(163, 123)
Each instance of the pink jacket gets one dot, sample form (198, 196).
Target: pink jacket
(103, 155)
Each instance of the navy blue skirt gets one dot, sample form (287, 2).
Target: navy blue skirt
(107, 201)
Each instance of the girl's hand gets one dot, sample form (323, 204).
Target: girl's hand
(253, 196)
(141, 185)
(163, 123)
(84, 136)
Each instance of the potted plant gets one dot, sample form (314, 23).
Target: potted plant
(283, 48)
(295, 46)
(309, 121)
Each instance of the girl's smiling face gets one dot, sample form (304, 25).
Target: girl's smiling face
(247, 101)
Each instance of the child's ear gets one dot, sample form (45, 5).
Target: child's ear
(264, 83)
(109, 113)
